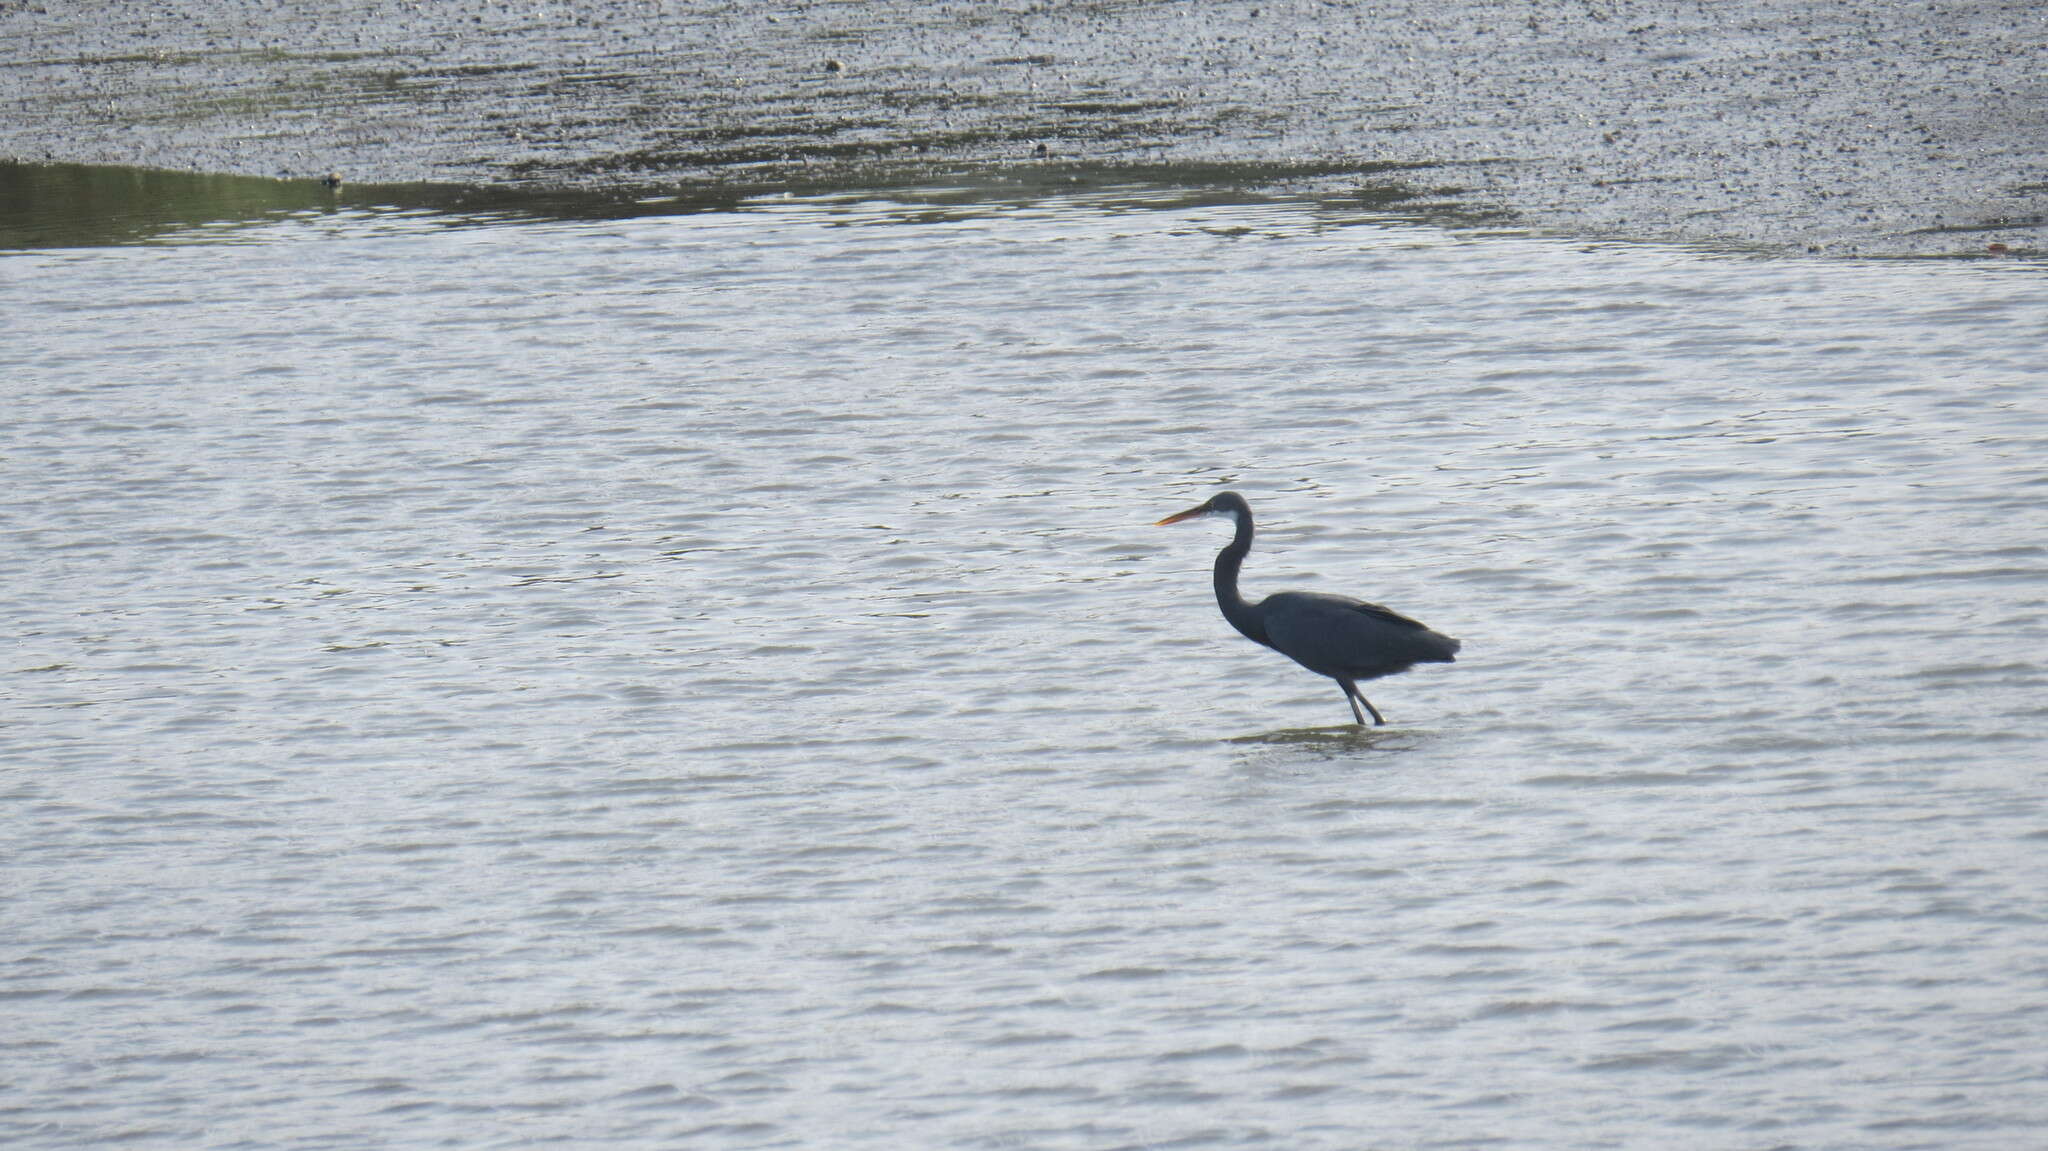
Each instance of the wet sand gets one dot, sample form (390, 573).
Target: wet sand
(1854, 129)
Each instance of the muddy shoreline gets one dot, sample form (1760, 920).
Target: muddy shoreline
(1851, 129)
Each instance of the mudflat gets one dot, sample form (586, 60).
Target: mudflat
(1848, 128)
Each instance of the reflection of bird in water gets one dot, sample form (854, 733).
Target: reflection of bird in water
(1343, 638)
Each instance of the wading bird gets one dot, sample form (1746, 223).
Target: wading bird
(1343, 638)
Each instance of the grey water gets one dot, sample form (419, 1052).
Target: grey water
(711, 680)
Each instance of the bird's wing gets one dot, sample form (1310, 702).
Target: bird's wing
(1321, 605)
(1335, 634)
(1387, 615)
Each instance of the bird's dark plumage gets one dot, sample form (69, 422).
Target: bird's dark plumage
(1333, 635)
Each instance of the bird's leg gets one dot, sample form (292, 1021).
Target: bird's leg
(1352, 697)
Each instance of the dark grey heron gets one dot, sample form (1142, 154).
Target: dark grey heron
(1343, 638)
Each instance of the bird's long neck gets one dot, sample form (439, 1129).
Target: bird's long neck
(1242, 616)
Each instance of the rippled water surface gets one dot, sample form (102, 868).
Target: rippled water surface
(711, 681)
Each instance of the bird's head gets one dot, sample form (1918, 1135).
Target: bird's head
(1221, 504)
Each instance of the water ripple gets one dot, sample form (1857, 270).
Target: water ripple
(709, 680)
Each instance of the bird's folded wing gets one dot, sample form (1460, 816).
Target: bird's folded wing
(1389, 615)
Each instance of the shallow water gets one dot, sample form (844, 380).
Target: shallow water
(713, 679)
